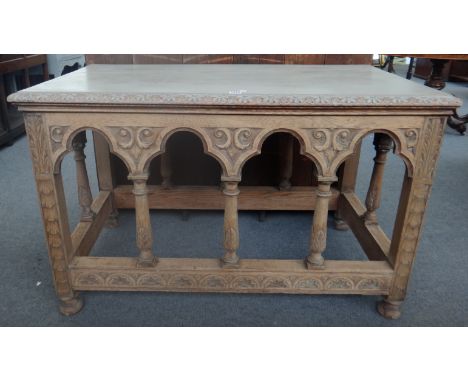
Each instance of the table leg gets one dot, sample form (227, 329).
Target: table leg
(286, 143)
(166, 170)
(318, 237)
(54, 213)
(144, 234)
(231, 225)
(383, 144)
(408, 223)
(105, 176)
(85, 197)
(347, 183)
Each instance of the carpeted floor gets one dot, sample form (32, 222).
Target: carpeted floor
(438, 292)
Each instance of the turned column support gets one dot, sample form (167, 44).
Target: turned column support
(166, 170)
(286, 150)
(144, 234)
(85, 198)
(318, 236)
(383, 144)
(231, 225)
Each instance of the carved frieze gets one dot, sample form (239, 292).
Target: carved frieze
(134, 143)
(232, 146)
(329, 146)
(229, 281)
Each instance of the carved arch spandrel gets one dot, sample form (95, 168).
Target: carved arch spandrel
(230, 146)
(261, 137)
(332, 146)
(132, 144)
(233, 146)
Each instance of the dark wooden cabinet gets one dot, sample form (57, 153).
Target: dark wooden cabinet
(11, 121)
(454, 70)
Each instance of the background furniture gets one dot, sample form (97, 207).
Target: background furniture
(58, 62)
(11, 121)
(279, 165)
(436, 74)
(304, 59)
(136, 121)
(453, 70)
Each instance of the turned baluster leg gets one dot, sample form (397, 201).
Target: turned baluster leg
(318, 237)
(286, 161)
(347, 183)
(166, 171)
(85, 197)
(231, 225)
(104, 170)
(383, 144)
(144, 234)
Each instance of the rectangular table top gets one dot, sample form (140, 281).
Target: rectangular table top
(236, 85)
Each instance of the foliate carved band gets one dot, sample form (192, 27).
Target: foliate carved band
(233, 138)
(38, 144)
(229, 282)
(329, 145)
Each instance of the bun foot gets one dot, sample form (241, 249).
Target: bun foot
(340, 224)
(71, 306)
(389, 309)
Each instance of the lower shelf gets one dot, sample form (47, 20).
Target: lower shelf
(252, 276)
(211, 198)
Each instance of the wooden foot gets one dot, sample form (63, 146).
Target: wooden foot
(389, 309)
(339, 223)
(144, 261)
(261, 216)
(315, 262)
(71, 306)
(230, 261)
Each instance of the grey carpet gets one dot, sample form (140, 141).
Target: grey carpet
(437, 293)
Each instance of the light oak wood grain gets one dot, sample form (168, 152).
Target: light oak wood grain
(232, 129)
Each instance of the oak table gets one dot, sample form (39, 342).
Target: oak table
(133, 110)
